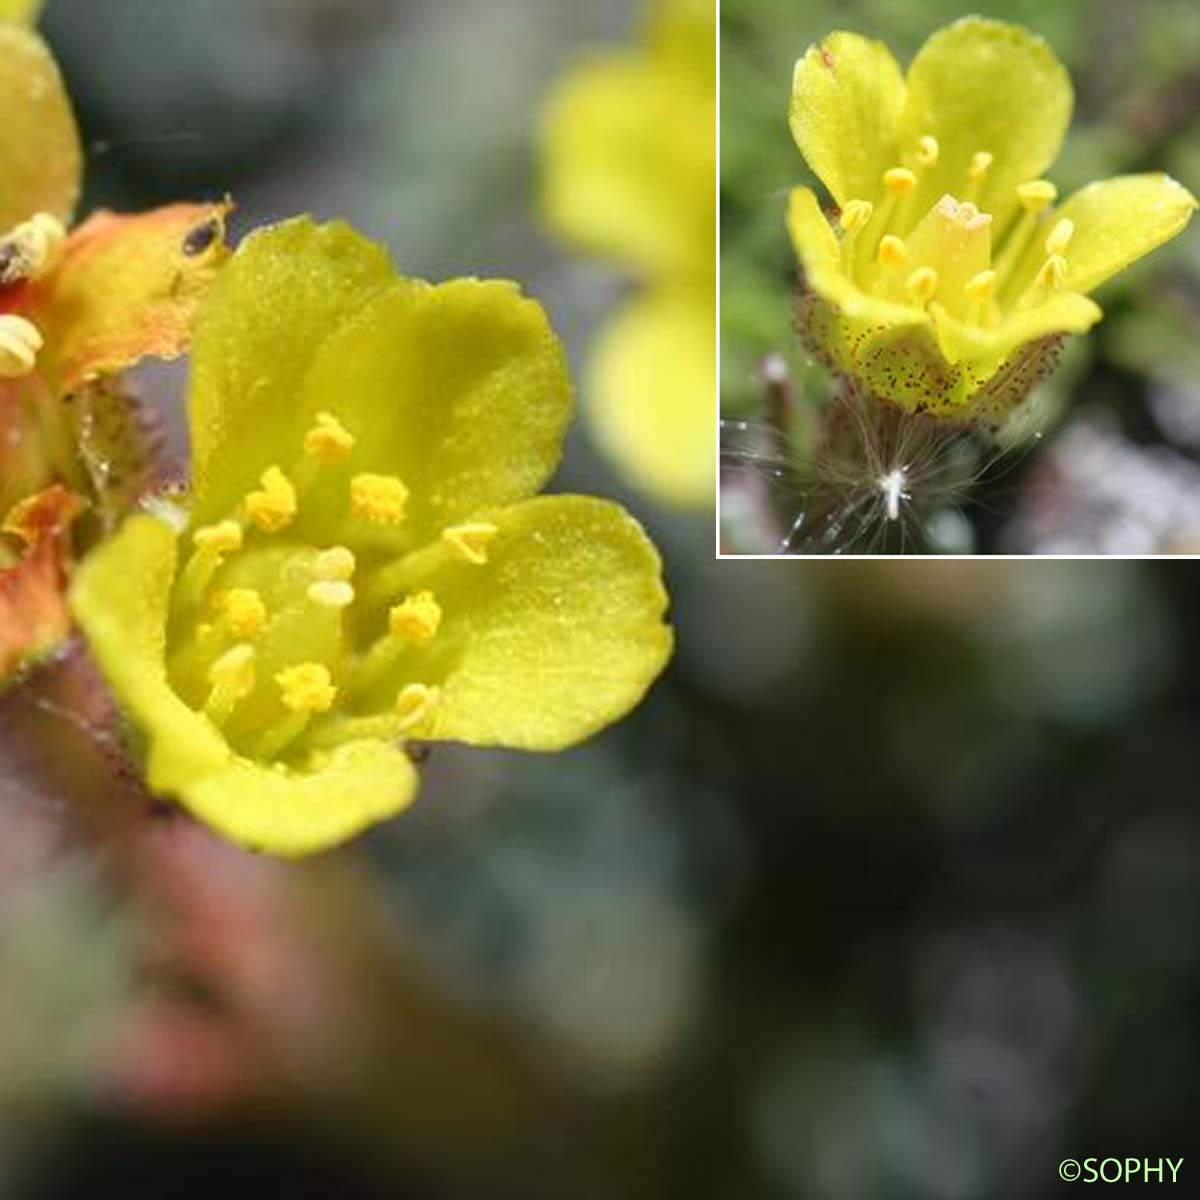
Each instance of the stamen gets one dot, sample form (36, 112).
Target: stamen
(32, 250)
(892, 251)
(274, 507)
(856, 214)
(417, 619)
(20, 341)
(243, 611)
(899, 180)
(331, 593)
(328, 440)
(231, 678)
(380, 499)
(415, 704)
(225, 537)
(981, 287)
(469, 542)
(981, 161)
(306, 688)
(336, 563)
(1053, 272)
(1060, 236)
(927, 150)
(922, 284)
(1036, 195)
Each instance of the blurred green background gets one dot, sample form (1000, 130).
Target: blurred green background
(891, 889)
(1118, 470)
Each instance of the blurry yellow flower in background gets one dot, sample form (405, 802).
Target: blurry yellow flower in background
(629, 146)
(364, 558)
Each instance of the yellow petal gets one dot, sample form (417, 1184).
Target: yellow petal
(847, 97)
(127, 287)
(460, 390)
(42, 162)
(1066, 312)
(650, 391)
(629, 153)
(1116, 222)
(986, 86)
(120, 598)
(276, 301)
(559, 635)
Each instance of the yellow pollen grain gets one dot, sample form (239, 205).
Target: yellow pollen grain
(899, 180)
(380, 499)
(922, 284)
(328, 440)
(892, 252)
(243, 610)
(856, 214)
(982, 286)
(927, 150)
(20, 341)
(234, 670)
(981, 161)
(225, 537)
(1053, 272)
(470, 542)
(307, 688)
(1060, 236)
(1036, 195)
(331, 593)
(415, 704)
(274, 507)
(336, 563)
(416, 619)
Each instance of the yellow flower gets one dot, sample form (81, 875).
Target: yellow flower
(951, 276)
(629, 146)
(75, 307)
(410, 585)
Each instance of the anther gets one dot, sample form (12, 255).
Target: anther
(892, 251)
(856, 214)
(231, 678)
(336, 563)
(470, 542)
(1060, 236)
(225, 537)
(380, 499)
(899, 180)
(1053, 272)
(922, 284)
(331, 593)
(981, 161)
(306, 688)
(328, 440)
(274, 507)
(243, 611)
(927, 150)
(32, 249)
(20, 341)
(1036, 195)
(417, 619)
(980, 287)
(415, 704)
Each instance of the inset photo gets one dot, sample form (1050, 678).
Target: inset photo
(959, 279)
